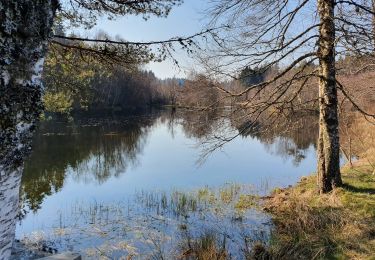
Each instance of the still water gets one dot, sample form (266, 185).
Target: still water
(90, 173)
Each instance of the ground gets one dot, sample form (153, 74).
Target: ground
(338, 225)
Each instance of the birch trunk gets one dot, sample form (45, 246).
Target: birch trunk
(373, 23)
(9, 197)
(25, 27)
(328, 144)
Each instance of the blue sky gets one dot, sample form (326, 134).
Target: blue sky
(187, 19)
(183, 20)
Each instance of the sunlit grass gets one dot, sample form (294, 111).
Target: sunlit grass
(339, 225)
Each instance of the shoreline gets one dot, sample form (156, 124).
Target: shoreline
(305, 224)
(338, 225)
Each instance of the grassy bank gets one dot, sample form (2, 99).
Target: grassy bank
(339, 225)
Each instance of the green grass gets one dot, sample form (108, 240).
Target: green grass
(359, 191)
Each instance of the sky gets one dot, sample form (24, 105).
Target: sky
(186, 19)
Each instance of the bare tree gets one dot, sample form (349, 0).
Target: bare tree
(303, 38)
(26, 30)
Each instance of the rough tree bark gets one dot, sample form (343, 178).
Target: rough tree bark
(328, 144)
(9, 197)
(373, 23)
(25, 27)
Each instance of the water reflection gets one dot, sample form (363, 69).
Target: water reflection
(290, 141)
(98, 161)
(92, 151)
(96, 150)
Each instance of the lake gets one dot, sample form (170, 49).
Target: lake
(141, 185)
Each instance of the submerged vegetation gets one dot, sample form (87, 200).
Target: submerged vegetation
(226, 223)
(202, 224)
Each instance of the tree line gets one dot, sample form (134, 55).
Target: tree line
(76, 83)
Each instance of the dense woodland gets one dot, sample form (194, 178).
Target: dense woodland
(76, 84)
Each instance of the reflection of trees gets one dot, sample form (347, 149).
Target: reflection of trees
(285, 139)
(96, 151)
(198, 124)
(194, 123)
(285, 148)
(90, 152)
(214, 128)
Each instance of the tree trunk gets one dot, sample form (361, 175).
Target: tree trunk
(9, 197)
(25, 28)
(328, 144)
(373, 23)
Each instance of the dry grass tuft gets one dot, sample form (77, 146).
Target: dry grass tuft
(313, 226)
(203, 248)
